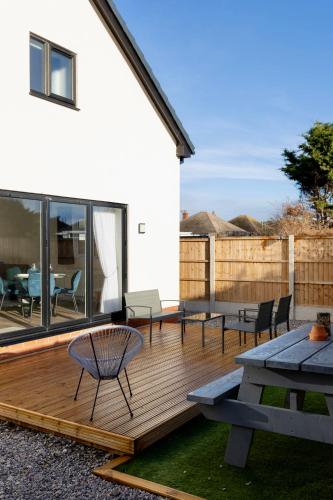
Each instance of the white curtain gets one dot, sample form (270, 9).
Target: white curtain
(105, 239)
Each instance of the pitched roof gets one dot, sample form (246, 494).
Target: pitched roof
(209, 223)
(248, 223)
(117, 28)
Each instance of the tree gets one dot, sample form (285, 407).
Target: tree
(294, 218)
(311, 167)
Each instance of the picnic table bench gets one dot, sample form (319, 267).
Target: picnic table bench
(290, 361)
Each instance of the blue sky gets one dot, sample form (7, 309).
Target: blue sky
(247, 78)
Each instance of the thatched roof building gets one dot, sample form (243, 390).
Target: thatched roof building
(209, 223)
(248, 223)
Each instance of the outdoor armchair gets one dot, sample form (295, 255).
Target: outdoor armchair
(280, 315)
(104, 352)
(147, 305)
(262, 322)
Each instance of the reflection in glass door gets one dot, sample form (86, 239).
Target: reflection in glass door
(67, 261)
(20, 264)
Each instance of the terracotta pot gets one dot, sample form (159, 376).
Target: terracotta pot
(318, 332)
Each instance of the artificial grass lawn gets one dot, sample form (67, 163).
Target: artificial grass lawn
(191, 459)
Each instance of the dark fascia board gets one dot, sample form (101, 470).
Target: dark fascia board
(125, 41)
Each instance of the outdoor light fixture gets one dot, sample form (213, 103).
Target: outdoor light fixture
(142, 227)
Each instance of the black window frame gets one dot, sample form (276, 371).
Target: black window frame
(47, 94)
(48, 329)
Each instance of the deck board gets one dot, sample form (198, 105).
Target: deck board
(38, 389)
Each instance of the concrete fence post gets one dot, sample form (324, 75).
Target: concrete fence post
(212, 296)
(291, 273)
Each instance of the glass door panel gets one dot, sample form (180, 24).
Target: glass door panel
(107, 260)
(20, 264)
(67, 223)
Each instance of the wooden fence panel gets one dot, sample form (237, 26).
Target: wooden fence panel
(194, 268)
(314, 271)
(253, 269)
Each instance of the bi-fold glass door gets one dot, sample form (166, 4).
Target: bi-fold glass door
(62, 263)
(21, 293)
(67, 257)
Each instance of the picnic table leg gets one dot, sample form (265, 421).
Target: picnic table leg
(329, 403)
(294, 399)
(240, 438)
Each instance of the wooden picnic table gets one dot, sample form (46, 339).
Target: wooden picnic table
(293, 362)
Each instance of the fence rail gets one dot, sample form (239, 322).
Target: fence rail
(253, 269)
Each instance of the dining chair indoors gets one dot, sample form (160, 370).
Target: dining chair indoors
(3, 292)
(75, 281)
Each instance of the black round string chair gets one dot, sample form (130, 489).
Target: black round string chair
(104, 352)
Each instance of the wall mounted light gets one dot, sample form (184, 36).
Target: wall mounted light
(142, 227)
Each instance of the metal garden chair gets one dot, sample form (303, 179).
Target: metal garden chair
(104, 352)
(281, 315)
(262, 322)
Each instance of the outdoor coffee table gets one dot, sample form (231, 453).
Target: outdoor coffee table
(293, 362)
(202, 318)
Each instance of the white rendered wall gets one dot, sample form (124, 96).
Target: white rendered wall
(114, 149)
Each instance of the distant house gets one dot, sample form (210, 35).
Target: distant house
(248, 223)
(208, 223)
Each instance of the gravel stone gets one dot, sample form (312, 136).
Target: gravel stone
(38, 466)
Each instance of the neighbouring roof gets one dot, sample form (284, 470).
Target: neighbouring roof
(209, 223)
(128, 46)
(248, 223)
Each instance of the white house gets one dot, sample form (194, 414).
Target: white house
(90, 162)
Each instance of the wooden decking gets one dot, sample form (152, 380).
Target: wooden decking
(37, 390)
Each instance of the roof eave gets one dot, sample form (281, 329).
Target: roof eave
(126, 43)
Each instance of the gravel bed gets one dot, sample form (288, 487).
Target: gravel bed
(38, 466)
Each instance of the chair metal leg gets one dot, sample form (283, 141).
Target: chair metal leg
(151, 330)
(55, 306)
(78, 386)
(244, 337)
(129, 387)
(31, 306)
(160, 325)
(122, 390)
(2, 300)
(275, 331)
(255, 339)
(288, 325)
(270, 333)
(92, 413)
(240, 337)
(75, 303)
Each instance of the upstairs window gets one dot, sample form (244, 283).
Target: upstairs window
(52, 71)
